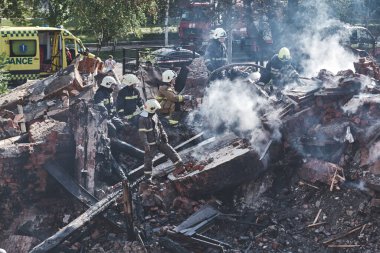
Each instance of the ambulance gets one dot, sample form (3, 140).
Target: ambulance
(35, 52)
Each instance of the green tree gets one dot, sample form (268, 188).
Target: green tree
(55, 12)
(4, 77)
(112, 18)
(16, 10)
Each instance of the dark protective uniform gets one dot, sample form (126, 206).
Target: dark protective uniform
(128, 102)
(279, 72)
(103, 101)
(215, 55)
(153, 135)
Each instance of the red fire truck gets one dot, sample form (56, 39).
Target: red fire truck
(195, 25)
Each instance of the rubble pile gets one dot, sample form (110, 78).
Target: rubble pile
(197, 78)
(315, 188)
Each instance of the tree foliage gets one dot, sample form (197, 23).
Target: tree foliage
(14, 9)
(4, 77)
(113, 18)
(55, 12)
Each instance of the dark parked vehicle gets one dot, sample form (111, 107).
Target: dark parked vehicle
(163, 57)
(357, 38)
(169, 57)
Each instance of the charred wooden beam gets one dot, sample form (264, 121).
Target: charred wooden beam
(127, 202)
(172, 246)
(206, 173)
(127, 148)
(79, 222)
(191, 225)
(14, 140)
(197, 241)
(139, 172)
(80, 193)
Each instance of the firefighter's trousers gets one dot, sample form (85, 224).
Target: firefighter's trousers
(166, 149)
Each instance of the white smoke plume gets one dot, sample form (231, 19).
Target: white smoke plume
(374, 152)
(236, 107)
(318, 40)
(354, 103)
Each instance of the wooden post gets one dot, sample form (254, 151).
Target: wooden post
(127, 203)
(22, 121)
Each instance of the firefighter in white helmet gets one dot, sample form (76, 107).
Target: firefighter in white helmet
(103, 96)
(129, 102)
(154, 137)
(216, 52)
(103, 101)
(168, 96)
(279, 70)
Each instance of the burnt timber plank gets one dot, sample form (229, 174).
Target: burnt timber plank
(80, 221)
(82, 194)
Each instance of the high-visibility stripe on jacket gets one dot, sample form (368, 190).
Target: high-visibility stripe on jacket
(150, 129)
(215, 55)
(128, 102)
(103, 97)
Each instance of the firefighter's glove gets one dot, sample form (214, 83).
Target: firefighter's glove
(103, 111)
(147, 148)
(118, 123)
(164, 138)
(261, 84)
(244, 74)
(187, 97)
(295, 75)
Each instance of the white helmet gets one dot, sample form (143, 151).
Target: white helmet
(108, 81)
(219, 33)
(151, 105)
(255, 76)
(168, 75)
(2, 251)
(130, 79)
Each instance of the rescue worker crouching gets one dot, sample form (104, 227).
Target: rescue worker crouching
(103, 101)
(279, 71)
(168, 96)
(154, 137)
(129, 102)
(216, 52)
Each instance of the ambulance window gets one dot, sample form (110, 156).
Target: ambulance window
(21, 48)
(70, 43)
(80, 48)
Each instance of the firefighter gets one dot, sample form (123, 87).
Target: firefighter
(216, 51)
(168, 96)
(103, 96)
(279, 70)
(103, 101)
(154, 137)
(128, 100)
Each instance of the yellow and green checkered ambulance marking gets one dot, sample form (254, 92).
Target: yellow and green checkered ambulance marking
(24, 76)
(18, 33)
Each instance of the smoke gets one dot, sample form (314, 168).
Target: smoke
(316, 39)
(357, 101)
(236, 107)
(374, 152)
(361, 185)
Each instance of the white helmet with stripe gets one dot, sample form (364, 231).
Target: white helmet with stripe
(130, 79)
(168, 75)
(151, 105)
(219, 33)
(108, 81)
